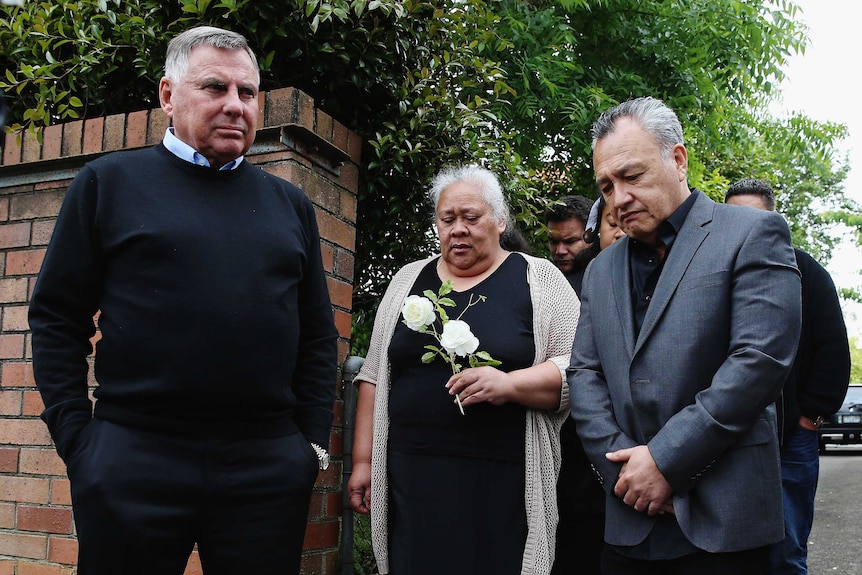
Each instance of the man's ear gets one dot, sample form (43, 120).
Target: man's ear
(165, 94)
(680, 158)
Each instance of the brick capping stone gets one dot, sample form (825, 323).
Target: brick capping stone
(295, 141)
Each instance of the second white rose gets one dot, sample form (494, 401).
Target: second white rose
(458, 339)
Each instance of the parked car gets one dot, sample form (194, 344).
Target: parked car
(845, 427)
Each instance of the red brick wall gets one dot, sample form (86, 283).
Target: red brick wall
(297, 142)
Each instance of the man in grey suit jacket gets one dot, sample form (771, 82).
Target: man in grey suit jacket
(688, 330)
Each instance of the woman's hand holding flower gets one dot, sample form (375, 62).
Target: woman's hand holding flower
(455, 338)
(480, 384)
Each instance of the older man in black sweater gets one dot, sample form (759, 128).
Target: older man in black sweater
(217, 358)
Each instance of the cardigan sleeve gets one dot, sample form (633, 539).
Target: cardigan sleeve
(556, 314)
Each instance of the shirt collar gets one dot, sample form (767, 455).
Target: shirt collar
(669, 228)
(677, 218)
(185, 152)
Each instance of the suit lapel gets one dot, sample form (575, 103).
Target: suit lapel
(694, 231)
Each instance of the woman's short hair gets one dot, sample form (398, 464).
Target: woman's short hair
(481, 178)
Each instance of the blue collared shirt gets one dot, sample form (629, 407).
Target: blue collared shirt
(185, 152)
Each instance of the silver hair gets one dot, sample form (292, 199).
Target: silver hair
(179, 48)
(654, 116)
(477, 176)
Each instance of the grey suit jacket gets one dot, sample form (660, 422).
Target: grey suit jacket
(697, 385)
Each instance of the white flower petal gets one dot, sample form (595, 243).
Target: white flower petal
(458, 339)
(418, 312)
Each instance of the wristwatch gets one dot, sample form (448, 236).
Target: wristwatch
(322, 456)
(810, 423)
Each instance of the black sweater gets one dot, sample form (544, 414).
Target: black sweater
(213, 306)
(821, 370)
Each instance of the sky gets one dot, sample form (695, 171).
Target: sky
(822, 84)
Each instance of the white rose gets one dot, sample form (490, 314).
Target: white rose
(418, 312)
(458, 339)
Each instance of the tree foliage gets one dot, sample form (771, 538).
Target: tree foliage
(511, 84)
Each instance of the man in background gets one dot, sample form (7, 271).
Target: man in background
(814, 389)
(217, 359)
(567, 222)
(580, 497)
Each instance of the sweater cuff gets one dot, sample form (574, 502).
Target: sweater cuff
(65, 422)
(315, 424)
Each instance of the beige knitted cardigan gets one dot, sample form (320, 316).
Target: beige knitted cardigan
(555, 316)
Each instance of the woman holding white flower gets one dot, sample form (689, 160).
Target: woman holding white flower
(462, 396)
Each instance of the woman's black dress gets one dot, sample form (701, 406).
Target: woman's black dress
(457, 481)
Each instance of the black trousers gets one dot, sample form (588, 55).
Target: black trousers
(580, 540)
(141, 501)
(749, 562)
(581, 501)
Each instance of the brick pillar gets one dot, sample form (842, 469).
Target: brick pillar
(297, 142)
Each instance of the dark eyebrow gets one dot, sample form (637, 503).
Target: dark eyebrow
(252, 87)
(210, 80)
(634, 166)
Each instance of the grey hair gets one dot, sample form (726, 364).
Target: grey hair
(179, 48)
(652, 114)
(484, 180)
